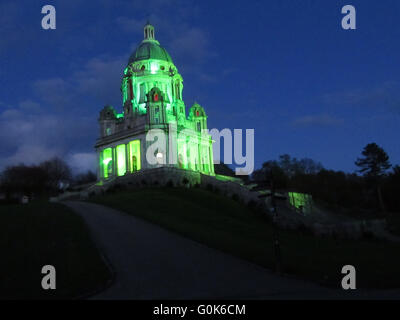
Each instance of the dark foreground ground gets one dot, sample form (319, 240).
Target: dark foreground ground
(43, 233)
(151, 262)
(226, 225)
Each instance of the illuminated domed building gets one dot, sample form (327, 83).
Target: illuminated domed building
(152, 99)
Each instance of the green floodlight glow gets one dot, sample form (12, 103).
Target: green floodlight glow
(154, 67)
(300, 201)
(123, 154)
(182, 159)
(121, 159)
(107, 162)
(134, 152)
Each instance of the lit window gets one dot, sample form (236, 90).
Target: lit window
(154, 67)
(121, 161)
(107, 163)
(134, 151)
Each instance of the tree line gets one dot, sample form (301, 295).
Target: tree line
(47, 178)
(372, 188)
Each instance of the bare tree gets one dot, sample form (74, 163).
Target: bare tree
(58, 172)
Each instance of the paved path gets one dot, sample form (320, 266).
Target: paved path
(153, 263)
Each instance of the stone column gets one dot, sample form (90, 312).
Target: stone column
(114, 162)
(127, 158)
(100, 165)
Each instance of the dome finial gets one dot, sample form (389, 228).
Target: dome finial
(148, 31)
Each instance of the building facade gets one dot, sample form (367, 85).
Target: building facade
(152, 103)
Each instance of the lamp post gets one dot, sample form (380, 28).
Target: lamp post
(269, 181)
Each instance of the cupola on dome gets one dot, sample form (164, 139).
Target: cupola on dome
(149, 48)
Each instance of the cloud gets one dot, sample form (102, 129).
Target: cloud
(82, 162)
(18, 127)
(31, 137)
(29, 154)
(99, 79)
(385, 96)
(322, 120)
(56, 92)
(61, 120)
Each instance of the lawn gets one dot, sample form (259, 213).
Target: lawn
(229, 226)
(42, 233)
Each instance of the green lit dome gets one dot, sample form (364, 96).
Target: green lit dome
(150, 50)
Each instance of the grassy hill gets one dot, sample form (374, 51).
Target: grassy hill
(227, 225)
(42, 233)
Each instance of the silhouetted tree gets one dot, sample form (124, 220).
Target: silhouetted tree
(84, 178)
(271, 170)
(23, 179)
(391, 190)
(224, 169)
(374, 165)
(57, 171)
(292, 166)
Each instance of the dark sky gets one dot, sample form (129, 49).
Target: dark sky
(283, 67)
